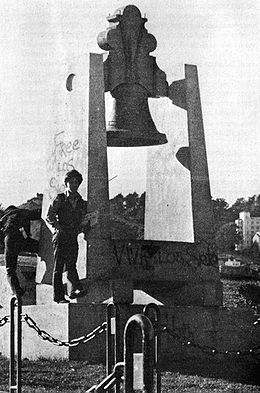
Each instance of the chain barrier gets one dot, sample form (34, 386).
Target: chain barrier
(72, 343)
(255, 351)
(103, 327)
(4, 320)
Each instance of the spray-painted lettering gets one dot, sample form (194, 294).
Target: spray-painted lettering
(62, 159)
(63, 153)
(149, 256)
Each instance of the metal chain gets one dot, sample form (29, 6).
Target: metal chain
(72, 343)
(207, 349)
(4, 320)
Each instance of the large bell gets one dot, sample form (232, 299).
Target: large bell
(131, 123)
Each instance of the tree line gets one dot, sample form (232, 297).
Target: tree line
(132, 207)
(127, 216)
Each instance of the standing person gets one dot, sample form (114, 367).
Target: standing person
(65, 216)
(15, 228)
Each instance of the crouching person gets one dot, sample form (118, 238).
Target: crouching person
(15, 228)
(65, 216)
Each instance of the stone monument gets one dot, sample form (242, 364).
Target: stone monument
(179, 272)
(184, 271)
(174, 273)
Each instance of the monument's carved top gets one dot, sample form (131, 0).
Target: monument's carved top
(129, 45)
(131, 12)
(132, 76)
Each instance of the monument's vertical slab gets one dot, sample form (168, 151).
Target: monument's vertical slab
(191, 205)
(98, 197)
(66, 150)
(168, 208)
(98, 193)
(200, 186)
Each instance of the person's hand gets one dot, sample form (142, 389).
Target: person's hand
(57, 228)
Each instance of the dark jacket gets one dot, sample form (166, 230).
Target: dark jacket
(62, 214)
(15, 219)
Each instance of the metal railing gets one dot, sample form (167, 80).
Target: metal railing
(15, 368)
(141, 322)
(149, 360)
(113, 340)
(112, 380)
(112, 336)
(152, 311)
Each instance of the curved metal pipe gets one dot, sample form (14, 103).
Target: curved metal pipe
(156, 321)
(144, 324)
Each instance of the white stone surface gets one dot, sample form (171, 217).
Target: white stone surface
(66, 148)
(168, 210)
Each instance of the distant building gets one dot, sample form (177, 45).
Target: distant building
(247, 227)
(232, 262)
(256, 238)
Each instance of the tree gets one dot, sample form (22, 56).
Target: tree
(227, 237)
(117, 206)
(240, 205)
(127, 216)
(221, 212)
(254, 205)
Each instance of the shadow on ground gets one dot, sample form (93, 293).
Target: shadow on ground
(232, 370)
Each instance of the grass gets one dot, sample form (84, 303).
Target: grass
(187, 376)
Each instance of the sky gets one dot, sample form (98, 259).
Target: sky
(221, 37)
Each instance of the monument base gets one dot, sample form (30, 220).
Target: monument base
(185, 293)
(207, 327)
(99, 291)
(168, 293)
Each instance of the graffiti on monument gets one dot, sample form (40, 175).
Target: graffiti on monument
(148, 255)
(63, 158)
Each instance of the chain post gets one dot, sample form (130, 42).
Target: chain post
(144, 324)
(156, 321)
(15, 381)
(19, 345)
(12, 387)
(112, 339)
(112, 330)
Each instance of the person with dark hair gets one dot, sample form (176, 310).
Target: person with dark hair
(65, 215)
(15, 228)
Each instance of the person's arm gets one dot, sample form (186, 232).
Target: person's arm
(52, 215)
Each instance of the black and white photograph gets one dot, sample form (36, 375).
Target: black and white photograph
(129, 196)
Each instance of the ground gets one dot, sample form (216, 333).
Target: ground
(186, 376)
(182, 376)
